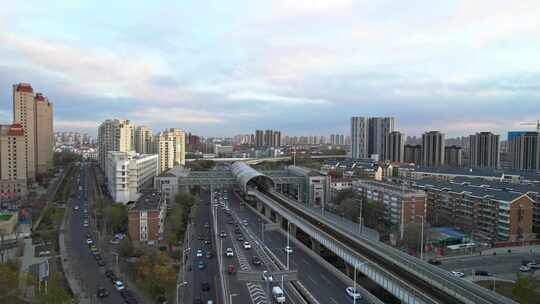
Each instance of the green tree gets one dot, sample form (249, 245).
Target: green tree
(524, 290)
(8, 278)
(373, 215)
(350, 208)
(201, 165)
(117, 217)
(55, 293)
(126, 248)
(344, 194)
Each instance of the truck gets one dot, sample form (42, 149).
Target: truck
(278, 294)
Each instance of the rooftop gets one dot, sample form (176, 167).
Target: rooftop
(150, 200)
(530, 175)
(499, 194)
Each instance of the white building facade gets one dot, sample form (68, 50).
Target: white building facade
(128, 173)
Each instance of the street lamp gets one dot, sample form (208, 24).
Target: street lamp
(356, 265)
(288, 247)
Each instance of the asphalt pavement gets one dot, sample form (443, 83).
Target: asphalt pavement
(85, 267)
(321, 283)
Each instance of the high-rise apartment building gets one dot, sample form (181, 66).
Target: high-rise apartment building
(453, 156)
(433, 149)
(35, 114)
(171, 148)
(379, 128)
(412, 154)
(395, 147)
(484, 150)
(359, 137)
(525, 151)
(368, 135)
(143, 140)
(259, 138)
(12, 161)
(114, 135)
(44, 134)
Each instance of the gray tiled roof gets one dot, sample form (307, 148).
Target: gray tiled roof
(500, 194)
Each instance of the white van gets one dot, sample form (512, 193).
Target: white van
(278, 294)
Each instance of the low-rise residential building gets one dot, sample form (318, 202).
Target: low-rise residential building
(167, 182)
(402, 205)
(146, 217)
(128, 173)
(488, 214)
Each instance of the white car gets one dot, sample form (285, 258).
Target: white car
(353, 293)
(85, 224)
(229, 252)
(76, 207)
(267, 277)
(524, 268)
(199, 253)
(119, 285)
(533, 265)
(288, 249)
(247, 245)
(458, 274)
(89, 241)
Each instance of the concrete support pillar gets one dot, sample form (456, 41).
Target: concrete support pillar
(259, 206)
(292, 230)
(299, 187)
(315, 246)
(279, 220)
(349, 270)
(267, 212)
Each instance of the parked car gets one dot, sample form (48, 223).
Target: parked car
(353, 293)
(482, 273)
(44, 253)
(102, 292)
(434, 262)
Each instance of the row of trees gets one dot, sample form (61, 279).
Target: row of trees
(176, 224)
(201, 165)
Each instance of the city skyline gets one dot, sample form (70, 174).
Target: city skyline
(220, 71)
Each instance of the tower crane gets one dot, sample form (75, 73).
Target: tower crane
(537, 124)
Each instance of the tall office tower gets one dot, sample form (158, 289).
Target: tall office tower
(12, 161)
(412, 154)
(24, 113)
(143, 140)
(378, 129)
(114, 135)
(259, 138)
(484, 150)
(433, 149)
(453, 156)
(171, 146)
(395, 147)
(525, 151)
(359, 137)
(44, 134)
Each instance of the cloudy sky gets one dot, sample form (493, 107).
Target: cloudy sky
(227, 67)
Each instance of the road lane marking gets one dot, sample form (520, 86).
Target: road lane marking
(333, 300)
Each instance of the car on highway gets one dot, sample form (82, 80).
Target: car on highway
(119, 285)
(288, 249)
(102, 292)
(458, 274)
(93, 248)
(109, 273)
(524, 268)
(207, 242)
(44, 253)
(114, 241)
(209, 255)
(229, 252)
(76, 207)
(85, 225)
(205, 286)
(482, 273)
(240, 239)
(245, 222)
(201, 265)
(222, 234)
(231, 269)
(206, 225)
(266, 276)
(255, 260)
(89, 242)
(101, 263)
(247, 245)
(353, 293)
(199, 253)
(434, 262)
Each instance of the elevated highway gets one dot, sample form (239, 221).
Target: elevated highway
(407, 278)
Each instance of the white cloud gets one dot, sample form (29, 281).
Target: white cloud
(277, 99)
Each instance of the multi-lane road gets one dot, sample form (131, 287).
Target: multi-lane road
(318, 280)
(89, 275)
